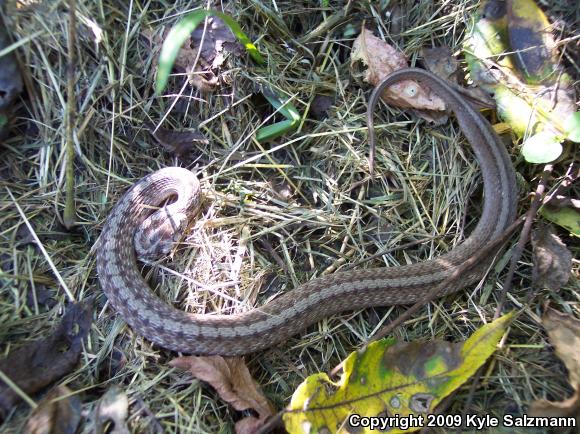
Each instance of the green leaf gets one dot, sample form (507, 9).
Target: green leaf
(182, 30)
(514, 38)
(543, 147)
(406, 379)
(572, 127)
(533, 47)
(567, 217)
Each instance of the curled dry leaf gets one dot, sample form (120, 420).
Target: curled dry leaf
(232, 380)
(564, 333)
(380, 59)
(178, 142)
(552, 259)
(58, 412)
(114, 407)
(320, 106)
(10, 82)
(37, 364)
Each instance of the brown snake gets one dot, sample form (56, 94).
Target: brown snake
(290, 313)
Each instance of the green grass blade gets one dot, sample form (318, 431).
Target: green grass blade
(271, 132)
(284, 107)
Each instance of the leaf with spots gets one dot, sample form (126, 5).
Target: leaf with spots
(388, 379)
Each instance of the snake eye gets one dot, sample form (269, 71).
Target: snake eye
(411, 90)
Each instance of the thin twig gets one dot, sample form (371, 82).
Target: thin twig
(525, 234)
(515, 257)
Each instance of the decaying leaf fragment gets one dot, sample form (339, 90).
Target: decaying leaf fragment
(380, 59)
(389, 378)
(232, 380)
(10, 79)
(114, 407)
(178, 142)
(37, 364)
(440, 61)
(204, 52)
(564, 333)
(58, 412)
(552, 259)
(217, 40)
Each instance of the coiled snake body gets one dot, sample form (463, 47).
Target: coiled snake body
(290, 313)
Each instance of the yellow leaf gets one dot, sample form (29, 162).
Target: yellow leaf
(511, 53)
(399, 382)
(530, 37)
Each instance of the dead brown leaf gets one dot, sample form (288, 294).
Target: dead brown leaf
(248, 425)
(380, 59)
(37, 364)
(552, 259)
(441, 62)
(564, 333)
(58, 412)
(203, 70)
(217, 41)
(114, 407)
(320, 105)
(232, 380)
(178, 142)
(10, 79)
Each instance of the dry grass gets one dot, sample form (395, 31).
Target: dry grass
(251, 241)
